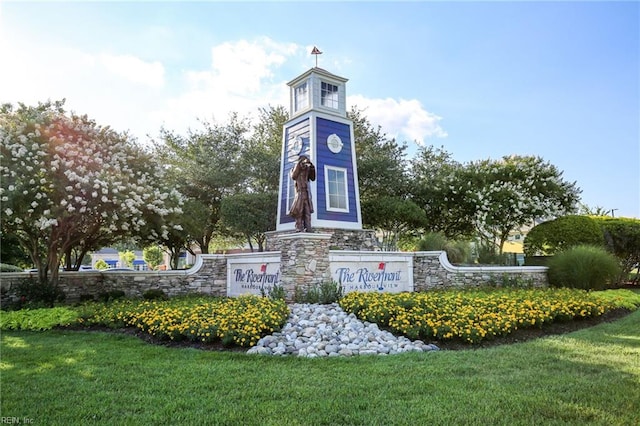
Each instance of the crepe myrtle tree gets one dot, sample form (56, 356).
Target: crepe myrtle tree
(512, 192)
(435, 182)
(68, 182)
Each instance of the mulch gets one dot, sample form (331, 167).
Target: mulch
(520, 335)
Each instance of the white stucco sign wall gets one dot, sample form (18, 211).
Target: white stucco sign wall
(252, 274)
(375, 271)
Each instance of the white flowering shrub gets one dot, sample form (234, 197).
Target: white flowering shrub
(515, 190)
(68, 183)
(495, 197)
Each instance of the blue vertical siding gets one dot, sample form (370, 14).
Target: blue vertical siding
(343, 159)
(300, 128)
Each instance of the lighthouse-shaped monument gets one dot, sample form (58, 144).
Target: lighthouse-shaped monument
(320, 130)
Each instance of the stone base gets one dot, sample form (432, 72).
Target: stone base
(304, 262)
(340, 239)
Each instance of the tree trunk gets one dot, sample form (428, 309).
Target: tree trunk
(261, 239)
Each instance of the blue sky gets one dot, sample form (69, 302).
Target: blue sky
(481, 79)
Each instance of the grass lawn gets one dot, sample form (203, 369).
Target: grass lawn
(64, 377)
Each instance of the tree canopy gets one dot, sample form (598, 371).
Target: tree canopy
(69, 183)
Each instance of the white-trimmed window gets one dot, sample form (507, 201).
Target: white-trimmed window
(335, 179)
(329, 95)
(301, 97)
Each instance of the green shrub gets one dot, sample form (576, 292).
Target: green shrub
(457, 251)
(111, 295)
(101, 265)
(487, 255)
(325, 293)
(86, 298)
(432, 241)
(552, 237)
(277, 292)
(585, 267)
(155, 294)
(510, 281)
(34, 294)
(9, 268)
(620, 298)
(37, 319)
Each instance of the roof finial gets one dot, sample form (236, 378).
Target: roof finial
(316, 52)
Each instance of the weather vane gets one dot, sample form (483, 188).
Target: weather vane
(316, 52)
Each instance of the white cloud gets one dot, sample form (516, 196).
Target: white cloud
(115, 90)
(129, 93)
(400, 118)
(134, 69)
(241, 79)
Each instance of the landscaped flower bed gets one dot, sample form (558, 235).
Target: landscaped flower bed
(234, 321)
(475, 315)
(469, 316)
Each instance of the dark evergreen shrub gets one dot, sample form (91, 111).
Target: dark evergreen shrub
(622, 238)
(34, 294)
(86, 298)
(111, 295)
(155, 294)
(585, 267)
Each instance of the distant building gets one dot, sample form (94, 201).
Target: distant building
(112, 258)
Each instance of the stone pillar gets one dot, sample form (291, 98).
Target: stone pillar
(304, 261)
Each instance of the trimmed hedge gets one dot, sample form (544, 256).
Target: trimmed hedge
(549, 238)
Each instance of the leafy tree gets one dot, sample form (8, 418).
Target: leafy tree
(436, 181)
(153, 256)
(223, 243)
(261, 155)
(251, 215)
(101, 265)
(383, 182)
(393, 216)
(127, 258)
(622, 238)
(252, 212)
(11, 252)
(68, 183)
(586, 210)
(553, 236)
(381, 161)
(206, 166)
